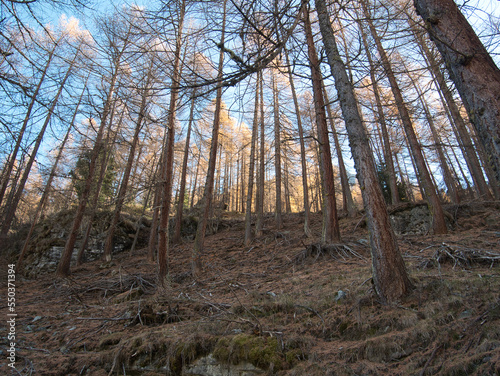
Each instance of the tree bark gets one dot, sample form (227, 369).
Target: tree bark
(389, 274)
(331, 231)
(389, 163)
(63, 268)
(259, 225)
(471, 68)
(48, 185)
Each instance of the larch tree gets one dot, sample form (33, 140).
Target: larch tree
(463, 137)
(167, 175)
(475, 74)
(390, 278)
(424, 176)
(196, 262)
(118, 46)
(331, 230)
(303, 162)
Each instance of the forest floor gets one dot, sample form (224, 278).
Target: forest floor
(281, 304)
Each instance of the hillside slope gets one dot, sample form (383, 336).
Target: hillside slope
(284, 305)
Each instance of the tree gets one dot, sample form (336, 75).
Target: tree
(11, 208)
(118, 46)
(196, 263)
(471, 68)
(463, 137)
(168, 152)
(303, 164)
(331, 231)
(424, 177)
(389, 274)
(277, 154)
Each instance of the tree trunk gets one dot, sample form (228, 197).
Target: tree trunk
(348, 202)
(462, 135)
(447, 177)
(471, 68)
(331, 231)
(435, 207)
(108, 245)
(168, 155)
(277, 154)
(259, 225)
(389, 163)
(11, 209)
(196, 263)
(94, 202)
(10, 165)
(63, 268)
(389, 274)
(180, 203)
(248, 207)
(303, 162)
(48, 185)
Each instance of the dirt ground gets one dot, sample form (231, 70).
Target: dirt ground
(282, 304)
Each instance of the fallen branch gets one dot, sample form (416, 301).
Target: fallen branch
(460, 256)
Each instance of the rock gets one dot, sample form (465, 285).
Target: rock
(209, 366)
(37, 318)
(340, 295)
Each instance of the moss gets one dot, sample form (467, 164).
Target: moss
(262, 352)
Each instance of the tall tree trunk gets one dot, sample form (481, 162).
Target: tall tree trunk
(195, 183)
(389, 274)
(196, 263)
(462, 135)
(389, 164)
(34, 97)
(63, 268)
(94, 201)
(248, 207)
(471, 68)
(259, 225)
(439, 223)
(331, 231)
(277, 154)
(348, 202)
(303, 163)
(48, 185)
(108, 244)
(168, 154)
(180, 203)
(11, 209)
(447, 176)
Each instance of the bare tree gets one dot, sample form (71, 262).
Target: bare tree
(471, 68)
(389, 274)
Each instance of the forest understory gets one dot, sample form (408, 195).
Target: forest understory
(284, 305)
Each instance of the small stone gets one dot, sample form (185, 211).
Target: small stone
(340, 295)
(37, 318)
(465, 314)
